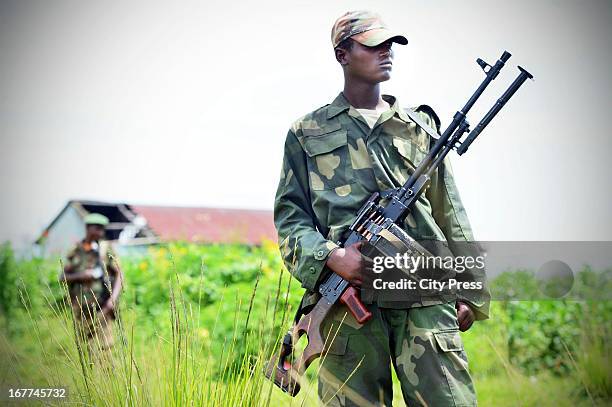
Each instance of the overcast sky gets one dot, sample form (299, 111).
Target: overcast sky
(188, 103)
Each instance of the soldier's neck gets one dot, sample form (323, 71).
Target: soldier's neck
(362, 95)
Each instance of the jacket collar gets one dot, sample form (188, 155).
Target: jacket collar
(340, 104)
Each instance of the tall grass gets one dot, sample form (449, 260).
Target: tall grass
(191, 351)
(179, 367)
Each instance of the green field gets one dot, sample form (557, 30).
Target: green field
(197, 322)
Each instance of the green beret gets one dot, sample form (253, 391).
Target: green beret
(96, 219)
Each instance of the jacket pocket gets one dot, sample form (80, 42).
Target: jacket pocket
(329, 163)
(411, 153)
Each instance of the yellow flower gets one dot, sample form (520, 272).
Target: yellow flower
(269, 245)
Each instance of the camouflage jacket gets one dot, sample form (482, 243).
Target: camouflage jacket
(98, 256)
(333, 162)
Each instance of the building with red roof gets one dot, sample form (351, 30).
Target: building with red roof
(141, 225)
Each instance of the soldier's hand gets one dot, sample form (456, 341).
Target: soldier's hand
(108, 309)
(465, 316)
(87, 275)
(348, 263)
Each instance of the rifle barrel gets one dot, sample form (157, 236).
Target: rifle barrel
(520, 79)
(424, 166)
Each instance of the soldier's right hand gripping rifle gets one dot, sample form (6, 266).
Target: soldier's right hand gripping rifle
(374, 223)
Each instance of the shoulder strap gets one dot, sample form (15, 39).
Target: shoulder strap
(103, 253)
(103, 248)
(414, 116)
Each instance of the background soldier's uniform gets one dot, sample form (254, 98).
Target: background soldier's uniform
(87, 298)
(333, 161)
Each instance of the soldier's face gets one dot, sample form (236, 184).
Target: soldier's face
(370, 64)
(94, 232)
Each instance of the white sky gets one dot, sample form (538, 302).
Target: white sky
(188, 103)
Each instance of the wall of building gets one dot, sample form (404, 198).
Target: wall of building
(65, 232)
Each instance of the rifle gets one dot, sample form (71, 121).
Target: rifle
(374, 217)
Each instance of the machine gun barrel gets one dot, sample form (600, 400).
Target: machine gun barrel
(520, 79)
(458, 118)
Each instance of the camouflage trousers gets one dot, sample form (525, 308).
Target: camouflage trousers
(93, 330)
(422, 344)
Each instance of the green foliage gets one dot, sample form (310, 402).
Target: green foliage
(15, 276)
(178, 349)
(7, 276)
(593, 359)
(541, 331)
(515, 285)
(198, 322)
(202, 271)
(486, 343)
(211, 280)
(522, 285)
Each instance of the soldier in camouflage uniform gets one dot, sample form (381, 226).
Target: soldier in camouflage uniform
(94, 282)
(334, 159)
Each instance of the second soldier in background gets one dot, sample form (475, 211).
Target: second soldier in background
(94, 281)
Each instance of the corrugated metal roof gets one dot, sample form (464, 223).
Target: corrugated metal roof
(208, 225)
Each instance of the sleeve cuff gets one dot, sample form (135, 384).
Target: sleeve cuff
(481, 309)
(314, 264)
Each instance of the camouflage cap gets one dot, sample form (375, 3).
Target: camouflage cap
(96, 219)
(365, 27)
